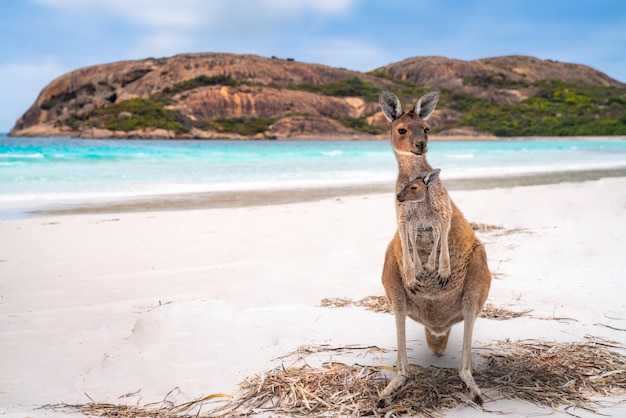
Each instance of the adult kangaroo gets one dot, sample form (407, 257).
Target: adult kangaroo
(422, 294)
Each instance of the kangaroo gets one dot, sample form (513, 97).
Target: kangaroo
(423, 298)
(435, 197)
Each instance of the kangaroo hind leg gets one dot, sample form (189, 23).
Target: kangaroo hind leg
(477, 283)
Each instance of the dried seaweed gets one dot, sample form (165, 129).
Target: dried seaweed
(305, 350)
(562, 376)
(379, 304)
(553, 374)
(490, 311)
(480, 227)
(497, 230)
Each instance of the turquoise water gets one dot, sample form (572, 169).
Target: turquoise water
(37, 171)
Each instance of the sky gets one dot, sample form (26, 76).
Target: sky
(43, 39)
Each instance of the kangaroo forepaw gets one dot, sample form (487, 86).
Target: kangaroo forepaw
(414, 284)
(411, 282)
(411, 277)
(444, 275)
(444, 271)
(444, 267)
(444, 278)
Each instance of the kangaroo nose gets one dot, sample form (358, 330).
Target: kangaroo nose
(420, 147)
(399, 197)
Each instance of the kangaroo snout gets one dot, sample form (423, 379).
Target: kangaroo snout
(420, 146)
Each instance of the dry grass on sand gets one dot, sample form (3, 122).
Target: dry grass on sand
(563, 376)
(380, 304)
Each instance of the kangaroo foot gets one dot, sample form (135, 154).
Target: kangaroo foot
(474, 391)
(477, 398)
(392, 389)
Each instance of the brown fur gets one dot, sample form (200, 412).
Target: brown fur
(424, 203)
(424, 298)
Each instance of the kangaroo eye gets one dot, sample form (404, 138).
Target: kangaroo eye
(426, 130)
(413, 187)
(401, 131)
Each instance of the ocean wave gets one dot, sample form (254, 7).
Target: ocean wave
(332, 153)
(21, 156)
(60, 156)
(520, 170)
(461, 156)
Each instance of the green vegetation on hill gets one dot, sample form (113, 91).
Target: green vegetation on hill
(137, 114)
(200, 81)
(360, 124)
(557, 109)
(495, 80)
(350, 87)
(242, 126)
(384, 74)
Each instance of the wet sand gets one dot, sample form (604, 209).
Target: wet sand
(243, 198)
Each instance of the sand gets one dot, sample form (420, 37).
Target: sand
(102, 305)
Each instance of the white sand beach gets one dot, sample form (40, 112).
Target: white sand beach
(103, 305)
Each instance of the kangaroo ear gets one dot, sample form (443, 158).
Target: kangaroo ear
(432, 176)
(425, 105)
(389, 102)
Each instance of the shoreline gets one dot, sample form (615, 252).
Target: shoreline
(247, 198)
(317, 137)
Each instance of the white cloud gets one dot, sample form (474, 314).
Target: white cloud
(300, 7)
(156, 13)
(189, 14)
(167, 27)
(161, 44)
(20, 84)
(344, 53)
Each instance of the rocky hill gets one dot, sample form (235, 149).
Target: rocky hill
(227, 96)
(503, 80)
